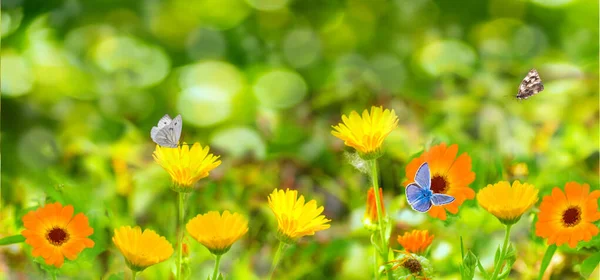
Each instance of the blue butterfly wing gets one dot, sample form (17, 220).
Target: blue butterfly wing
(422, 205)
(413, 193)
(423, 176)
(417, 199)
(441, 199)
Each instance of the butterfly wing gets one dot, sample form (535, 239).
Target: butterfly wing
(417, 199)
(163, 122)
(531, 85)
(441, 199)
(164, 137)
(177, 124)
(423, 176)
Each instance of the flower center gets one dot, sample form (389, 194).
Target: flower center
(439, 184)
(57, 236)
(413, 265)
(571, 216)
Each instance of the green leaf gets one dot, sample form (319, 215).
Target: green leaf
(546, 260)
(497, 256)
(510, 258)
(388, 228)
(462, 250)
(588, 265)
(482, 270)
(12, 240)
(468, 265)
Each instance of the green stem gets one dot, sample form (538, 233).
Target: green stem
(375, 267)
(217, 262)
(181, 214)
(54, 275)
(277, 257)
(378, 205)
(133, 274)
(498, 265)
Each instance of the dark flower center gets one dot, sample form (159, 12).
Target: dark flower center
(413, 265)
(57, 236)
(439, 184)
(571, 216)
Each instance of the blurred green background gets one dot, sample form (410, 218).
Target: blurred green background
(261, 82)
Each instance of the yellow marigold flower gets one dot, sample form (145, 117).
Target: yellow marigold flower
(217, 232)
(450, 174)
(568, 217)
(141, 249)
(295, 218)
(366, 134)
(371, 218)
(54, 233)
(507, 203)
(416, 241)
(186, 164)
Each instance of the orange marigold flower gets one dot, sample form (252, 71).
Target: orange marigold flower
(370, 219)
(567, 217)
(54, 233)
(450, 175)
(416, 241)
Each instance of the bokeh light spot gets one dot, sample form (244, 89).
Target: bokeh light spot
(215, 74)
(301, 47)
(132, 61)
(447, 57)
(279, 89)
(17, 78)
(206, 43)
(229, 141)
(204, 105)
(37, 148)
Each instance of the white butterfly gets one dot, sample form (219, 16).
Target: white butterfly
(167, 132)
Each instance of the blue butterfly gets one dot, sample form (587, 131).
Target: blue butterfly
(419, 194)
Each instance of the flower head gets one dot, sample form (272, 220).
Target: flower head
(450, 175)
(295, 218)
(186, 164)
(54, 233)
(217, 232)
(507, 203)
(366, 133)
(370, 219)
(141, 249)
(567, 217)
(415, 241)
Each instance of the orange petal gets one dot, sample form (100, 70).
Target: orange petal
(79, 226)
(65, 215)
(558, 196)
(575, 193)
(447, 159)
(437, 212)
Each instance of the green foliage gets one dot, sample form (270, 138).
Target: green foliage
(262, 82)
(546, 260)
(12, 240)
(589, 264)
